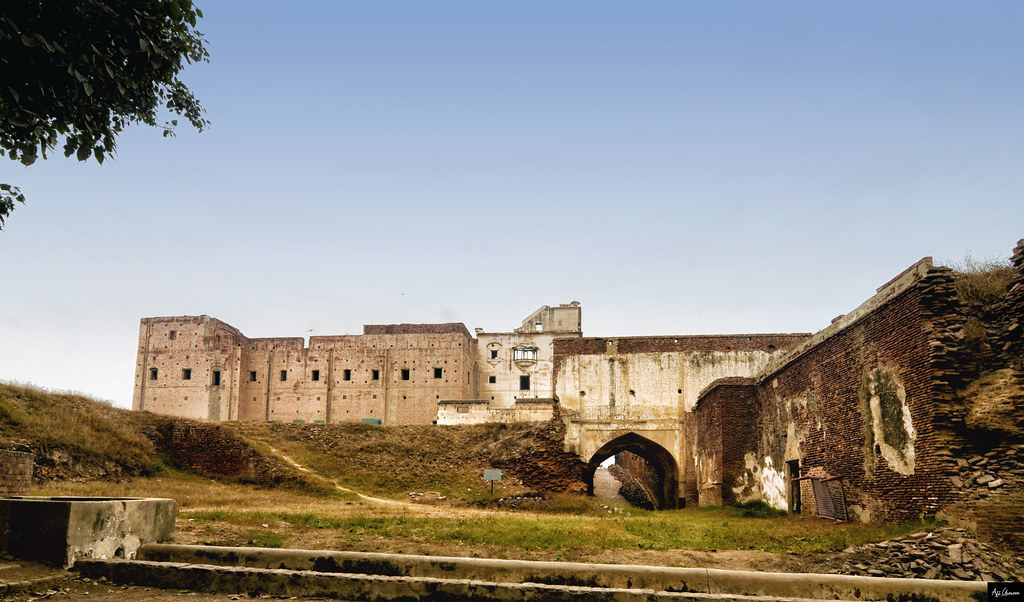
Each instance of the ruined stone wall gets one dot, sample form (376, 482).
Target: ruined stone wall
(719, 432)
(982, 349)
(15, 472)
(538, 459)
(1011, 339)
(213, 450)
(860, 400)
(639, 481)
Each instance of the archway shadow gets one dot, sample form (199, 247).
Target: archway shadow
(667, 492)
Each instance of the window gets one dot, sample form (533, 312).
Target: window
(186, 374)
(316, 375)
(405, 374)
(375, 375)
(494, 354)
(152, 374)
(525, 354)
(492, 379)
(252, 376)
(539, 326)
(524, 382)
(216, 378)
(346, 375)
(438, 372)
(172, 334)
(284, 375)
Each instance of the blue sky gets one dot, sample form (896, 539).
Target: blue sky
(677, 167)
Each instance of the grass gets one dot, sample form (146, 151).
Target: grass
(87, 429)
(219, 513)
(193, 491)
(720, 529)
(393, 461)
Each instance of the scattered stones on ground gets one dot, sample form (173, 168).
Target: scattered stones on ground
(947, 553)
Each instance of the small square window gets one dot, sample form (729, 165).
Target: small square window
(172, 334)
(252, 376)
(284, 375)
(494, 354)
(346, 375)
(405, 374)
(492, 379)
(316, 375)
(438, 372)
(152, 374)
(186, 374)
(216, 378)
(524, 382)
(375, 375)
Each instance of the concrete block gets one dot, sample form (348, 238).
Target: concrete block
(59, 530)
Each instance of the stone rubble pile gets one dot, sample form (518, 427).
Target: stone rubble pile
(944, 554)
(991, 473)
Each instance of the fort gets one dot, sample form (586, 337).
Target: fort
(908, 405)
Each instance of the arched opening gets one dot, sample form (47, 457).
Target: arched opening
(666, 489)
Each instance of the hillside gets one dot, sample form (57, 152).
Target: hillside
(75, 438)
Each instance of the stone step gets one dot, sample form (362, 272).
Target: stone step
(362, 587)
(607, 576)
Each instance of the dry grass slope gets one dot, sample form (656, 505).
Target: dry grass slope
(74, 436)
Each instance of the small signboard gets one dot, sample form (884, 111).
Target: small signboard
(492, 475)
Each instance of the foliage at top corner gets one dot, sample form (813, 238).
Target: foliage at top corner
(981, 282)
(81, 71)
(84, 70)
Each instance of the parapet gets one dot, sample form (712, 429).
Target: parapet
(446, 328)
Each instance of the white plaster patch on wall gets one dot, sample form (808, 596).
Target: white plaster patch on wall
(773, 485)
(891, 422)
(761, 481)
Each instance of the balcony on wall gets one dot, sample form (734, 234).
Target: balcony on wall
(524, 356)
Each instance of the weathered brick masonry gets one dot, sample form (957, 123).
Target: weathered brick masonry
(892, 398)
(539, 461)
(718, 434)
(861, 404)
(213, 450)
(15, 472)
(446, 328)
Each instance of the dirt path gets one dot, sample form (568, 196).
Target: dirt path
(412, 507)
(606, 486)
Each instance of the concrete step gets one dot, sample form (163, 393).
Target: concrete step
(569, 574)
(359, 587)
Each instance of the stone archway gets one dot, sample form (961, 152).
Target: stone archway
(659, 458)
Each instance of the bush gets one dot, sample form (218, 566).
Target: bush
(759, 509)
(982, 281)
